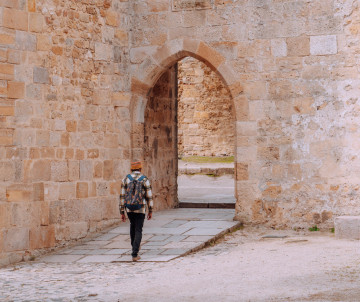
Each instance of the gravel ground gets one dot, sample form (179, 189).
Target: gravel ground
(243, 266)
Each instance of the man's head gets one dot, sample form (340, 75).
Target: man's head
(136, 166)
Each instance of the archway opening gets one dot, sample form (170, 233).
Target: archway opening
(206, 137)
(189, 138)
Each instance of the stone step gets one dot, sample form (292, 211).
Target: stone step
(210, 205)
(347, 227)
(206, 170)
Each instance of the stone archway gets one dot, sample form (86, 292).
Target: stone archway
(157, 64)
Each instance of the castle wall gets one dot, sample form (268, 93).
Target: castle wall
(65, 121)
(291, 68)
(76, 77)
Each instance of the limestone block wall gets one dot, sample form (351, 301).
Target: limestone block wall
(205, 111)
(292, 71)
(65, 121)
(76, 80)
(160, 141)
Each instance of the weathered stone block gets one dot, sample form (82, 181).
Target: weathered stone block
(111, 18)
(255, 90)
(91, 112)
(246, 128)
(82, 190)
(108, 169)
(111, 141)
(278, 48)
(86, 169)
(6, 68)
(59, 171)
(190, 4)
(15, 19)
(41, 75)
(71, 126)
(323, 45)
(347, 227)
(36, 22)
(194, 18)
(210, 55)
(93, 153)
(78, 229)
(272, 191)
(4, 215)
(98, 170)
(23, 108)
(43, 42)
(6, 39)
(16, 90)
(42, 237)
(14, 56)
(40, 170)
(25, 41)
(269, 153)
(38, 191)
(16, 239)
(242, 172)
(32, 5)
(7, 171)
(67, 191)
(298, 46)
(103, 52)
(42, 138)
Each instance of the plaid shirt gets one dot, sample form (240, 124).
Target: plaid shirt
(148, 194)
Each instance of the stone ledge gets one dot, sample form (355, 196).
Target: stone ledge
(208, 171)
(347, 227)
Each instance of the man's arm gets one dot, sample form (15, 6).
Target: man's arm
(122, 201)
(149, 198)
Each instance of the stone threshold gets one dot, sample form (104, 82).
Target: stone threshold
(209, 205)
(205, 171)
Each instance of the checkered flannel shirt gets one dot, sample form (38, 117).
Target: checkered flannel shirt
(148, 200)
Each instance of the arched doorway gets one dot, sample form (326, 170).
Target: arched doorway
(153, 85)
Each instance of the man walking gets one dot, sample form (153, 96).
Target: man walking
(135, 196)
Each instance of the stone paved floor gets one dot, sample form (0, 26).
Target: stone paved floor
(206, 189)
(170, 234)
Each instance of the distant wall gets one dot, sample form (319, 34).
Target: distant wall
(205, 115)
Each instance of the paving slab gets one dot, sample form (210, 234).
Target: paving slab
(171, 234)
(98, 259)
(61, 258)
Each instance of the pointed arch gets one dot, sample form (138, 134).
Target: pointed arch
(154, 65)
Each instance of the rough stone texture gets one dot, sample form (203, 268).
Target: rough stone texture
(347, 227)
(160, 141)
(291, 68)
(205, 111)
(51, 70)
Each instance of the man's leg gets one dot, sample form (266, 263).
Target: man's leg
(132, 219)
(139, 223)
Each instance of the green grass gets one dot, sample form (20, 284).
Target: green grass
(208, 159)
(314, 229)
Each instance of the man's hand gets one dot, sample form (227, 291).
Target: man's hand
(149, 216)
(123, 217)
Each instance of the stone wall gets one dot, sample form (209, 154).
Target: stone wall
(291, 68)
(160, 141)
(205, 113)
(65, 122)
(76, 77)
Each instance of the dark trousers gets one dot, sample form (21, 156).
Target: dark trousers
(136, 226)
